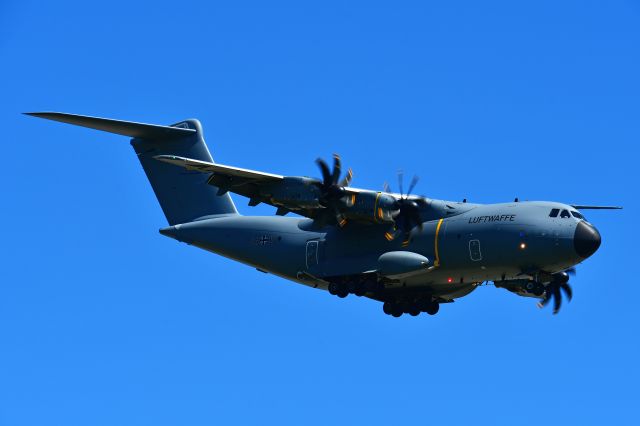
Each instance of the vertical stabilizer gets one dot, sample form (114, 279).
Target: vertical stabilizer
(183, 195)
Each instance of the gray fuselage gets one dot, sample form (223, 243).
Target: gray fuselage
(465, 244)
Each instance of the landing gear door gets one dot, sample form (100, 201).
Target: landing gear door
(312, 254)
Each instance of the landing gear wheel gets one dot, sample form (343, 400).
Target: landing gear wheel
(413, 311)
(338, 289)
(392, 308)
(360, 290)
(432, 308)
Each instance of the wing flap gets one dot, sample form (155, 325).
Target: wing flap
(206, 167)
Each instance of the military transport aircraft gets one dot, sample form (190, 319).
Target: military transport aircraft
(412, 253)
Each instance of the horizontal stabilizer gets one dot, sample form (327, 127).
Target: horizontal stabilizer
(206, 167)
(126, 128)
(580, 207)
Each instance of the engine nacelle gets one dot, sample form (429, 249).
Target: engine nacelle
(295, 192)
(370, 206)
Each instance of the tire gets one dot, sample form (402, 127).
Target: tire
(414, 311)
(333, 289)
(360, 290)
(433, 308)
(423, 304)
(392, 308)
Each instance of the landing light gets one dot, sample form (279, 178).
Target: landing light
(523, 246)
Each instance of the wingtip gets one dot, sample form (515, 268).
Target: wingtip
(41, 114)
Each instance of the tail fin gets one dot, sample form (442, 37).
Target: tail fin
(184, 196)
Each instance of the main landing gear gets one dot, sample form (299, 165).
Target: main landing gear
(358, 287)
(394, 305)
(338, 289)
(396, 308)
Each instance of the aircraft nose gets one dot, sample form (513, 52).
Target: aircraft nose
(586, 240)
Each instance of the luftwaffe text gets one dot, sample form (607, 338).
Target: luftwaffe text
(494, 218)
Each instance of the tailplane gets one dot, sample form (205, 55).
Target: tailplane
(183, 195)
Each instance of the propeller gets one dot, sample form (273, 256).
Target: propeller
(407, 211)
(331, 187)
(558, 285)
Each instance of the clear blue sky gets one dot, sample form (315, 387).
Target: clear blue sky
(105, 322)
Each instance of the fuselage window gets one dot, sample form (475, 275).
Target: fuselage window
(577, 215)
(554, 212)
(565, 213)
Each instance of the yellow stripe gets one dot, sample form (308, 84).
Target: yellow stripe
(375, 206)
(437, 261)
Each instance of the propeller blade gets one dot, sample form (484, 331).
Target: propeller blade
(326, 174)
(415, 217)
(337, 169)
(412, 185)
(545, 300)
(557, 299)
(404, 211)
(566, 288)
(347, 179)
(390, 235)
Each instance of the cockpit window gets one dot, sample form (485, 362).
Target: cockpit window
(554, 212)
(564, 214)
(577, 215)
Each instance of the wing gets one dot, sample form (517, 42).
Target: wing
(301, 195)
(205, 167)
(581, 207)
(287, 193)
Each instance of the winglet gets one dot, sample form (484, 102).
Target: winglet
(125, 128)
